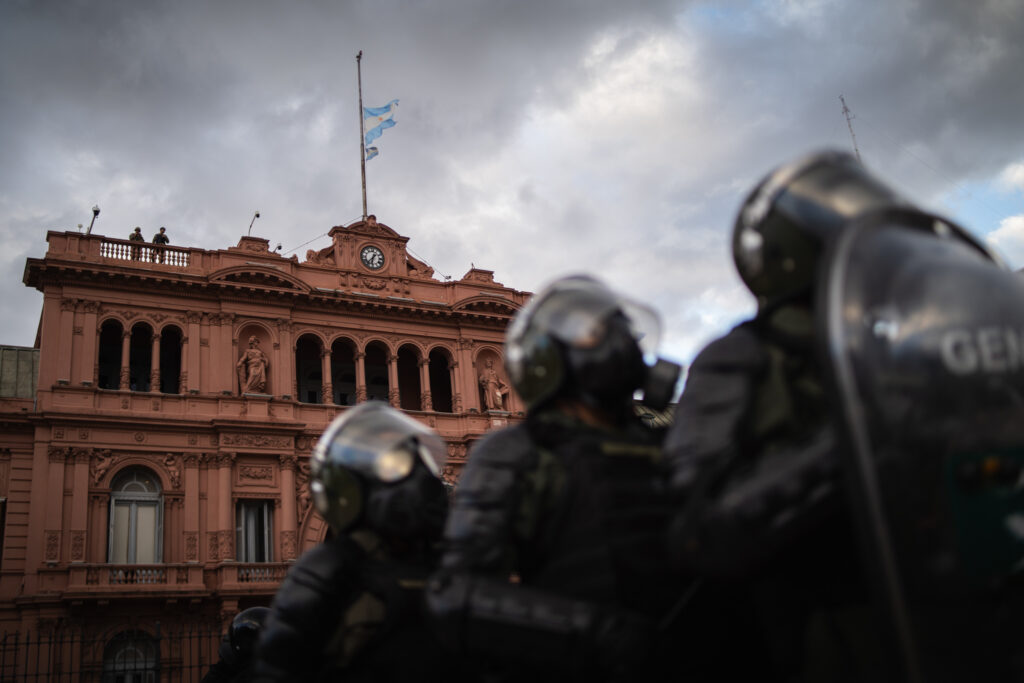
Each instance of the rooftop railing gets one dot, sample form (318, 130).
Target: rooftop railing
(144, 252)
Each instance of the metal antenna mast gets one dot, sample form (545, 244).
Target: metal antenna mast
(846, 113)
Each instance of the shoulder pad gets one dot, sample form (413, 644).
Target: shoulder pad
(741, 348)
(509, 447)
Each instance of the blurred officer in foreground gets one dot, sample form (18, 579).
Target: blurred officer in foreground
(571, 503)
(850, 457)
(235, 654)
(352, 608)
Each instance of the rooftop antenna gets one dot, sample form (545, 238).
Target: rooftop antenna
(846, 113)
(95, 212)
(257, 215)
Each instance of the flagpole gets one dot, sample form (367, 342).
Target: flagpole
(362, 139)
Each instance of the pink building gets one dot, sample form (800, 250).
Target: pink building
(157, 468)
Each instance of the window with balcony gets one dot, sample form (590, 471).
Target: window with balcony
(136, 518)
(253, 531)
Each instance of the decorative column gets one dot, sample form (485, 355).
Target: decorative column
(99, 503)
(205, 381)
(53, 514)
(190, 521)
(88, 355)
(360, 358)
(212, 513)
(227, 353)
(154, 366)
(79, 503)
(326, 384)
(225, 522)
(289, 520)
(393, 395)
(126, 338)
(67, 345)
(425, 399)
(284, 367)
(190, 354)
(456, 395)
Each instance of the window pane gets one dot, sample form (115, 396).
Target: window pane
(119, 546)
(253, 531)
(145, 538)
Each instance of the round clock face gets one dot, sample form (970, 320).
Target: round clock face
(372, 257)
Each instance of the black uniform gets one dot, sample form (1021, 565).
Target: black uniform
(573, 505)
(844, 457)
(351, 610)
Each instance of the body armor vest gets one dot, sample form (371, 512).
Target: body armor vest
(605, 537)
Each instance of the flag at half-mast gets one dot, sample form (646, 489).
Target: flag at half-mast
(376, 119)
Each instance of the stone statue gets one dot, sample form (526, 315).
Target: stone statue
(495, 388)
(252, 369)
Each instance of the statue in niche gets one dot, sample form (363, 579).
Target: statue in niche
(252, 369)
(495, 388)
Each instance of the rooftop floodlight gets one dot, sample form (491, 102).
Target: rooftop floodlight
(95, 212)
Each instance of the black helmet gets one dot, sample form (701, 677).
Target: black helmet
(377, 467)
(245, 631)
(786, 220)
(577, 338)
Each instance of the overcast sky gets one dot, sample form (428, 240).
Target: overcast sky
(533, 138)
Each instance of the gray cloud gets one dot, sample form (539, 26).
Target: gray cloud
(533, 138)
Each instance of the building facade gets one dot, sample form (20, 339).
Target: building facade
(158, 468)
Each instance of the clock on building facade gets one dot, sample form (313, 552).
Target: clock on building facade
(372, 257)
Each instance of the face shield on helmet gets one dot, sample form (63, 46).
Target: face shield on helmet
(784, 223)
(245, 631)
(373, 451)
(577, 337)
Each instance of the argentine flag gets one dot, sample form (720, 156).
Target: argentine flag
(377, 119)
(371, 152)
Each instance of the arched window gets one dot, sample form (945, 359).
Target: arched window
(136, 518)
(170, 360)
(343, 372)
(131, 657)
(376, 367)
(440, 381)
(109, 360)
(309, 369)
(409, 378)
(140, 357)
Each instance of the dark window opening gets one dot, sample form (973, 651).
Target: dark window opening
(409, 379)
(440, 382)
(109, 360)
(308, 370)
(170, 361)
(343, 373)
(141, 358)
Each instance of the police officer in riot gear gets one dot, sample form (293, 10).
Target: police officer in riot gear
(814, 462)
(235, 654)
(571, 503)
(352, 607)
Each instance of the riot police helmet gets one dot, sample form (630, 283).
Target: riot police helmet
(376, 467)
(576, 338)
(787, 219)
(245, 631)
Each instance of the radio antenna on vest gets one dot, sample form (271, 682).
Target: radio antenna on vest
(846, 113)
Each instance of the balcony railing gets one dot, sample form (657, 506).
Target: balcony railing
(262, 573)
(144, 252)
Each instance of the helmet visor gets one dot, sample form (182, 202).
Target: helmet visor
(380, 442)
(576, 311)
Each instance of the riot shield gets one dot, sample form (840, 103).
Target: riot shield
(923, 333)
